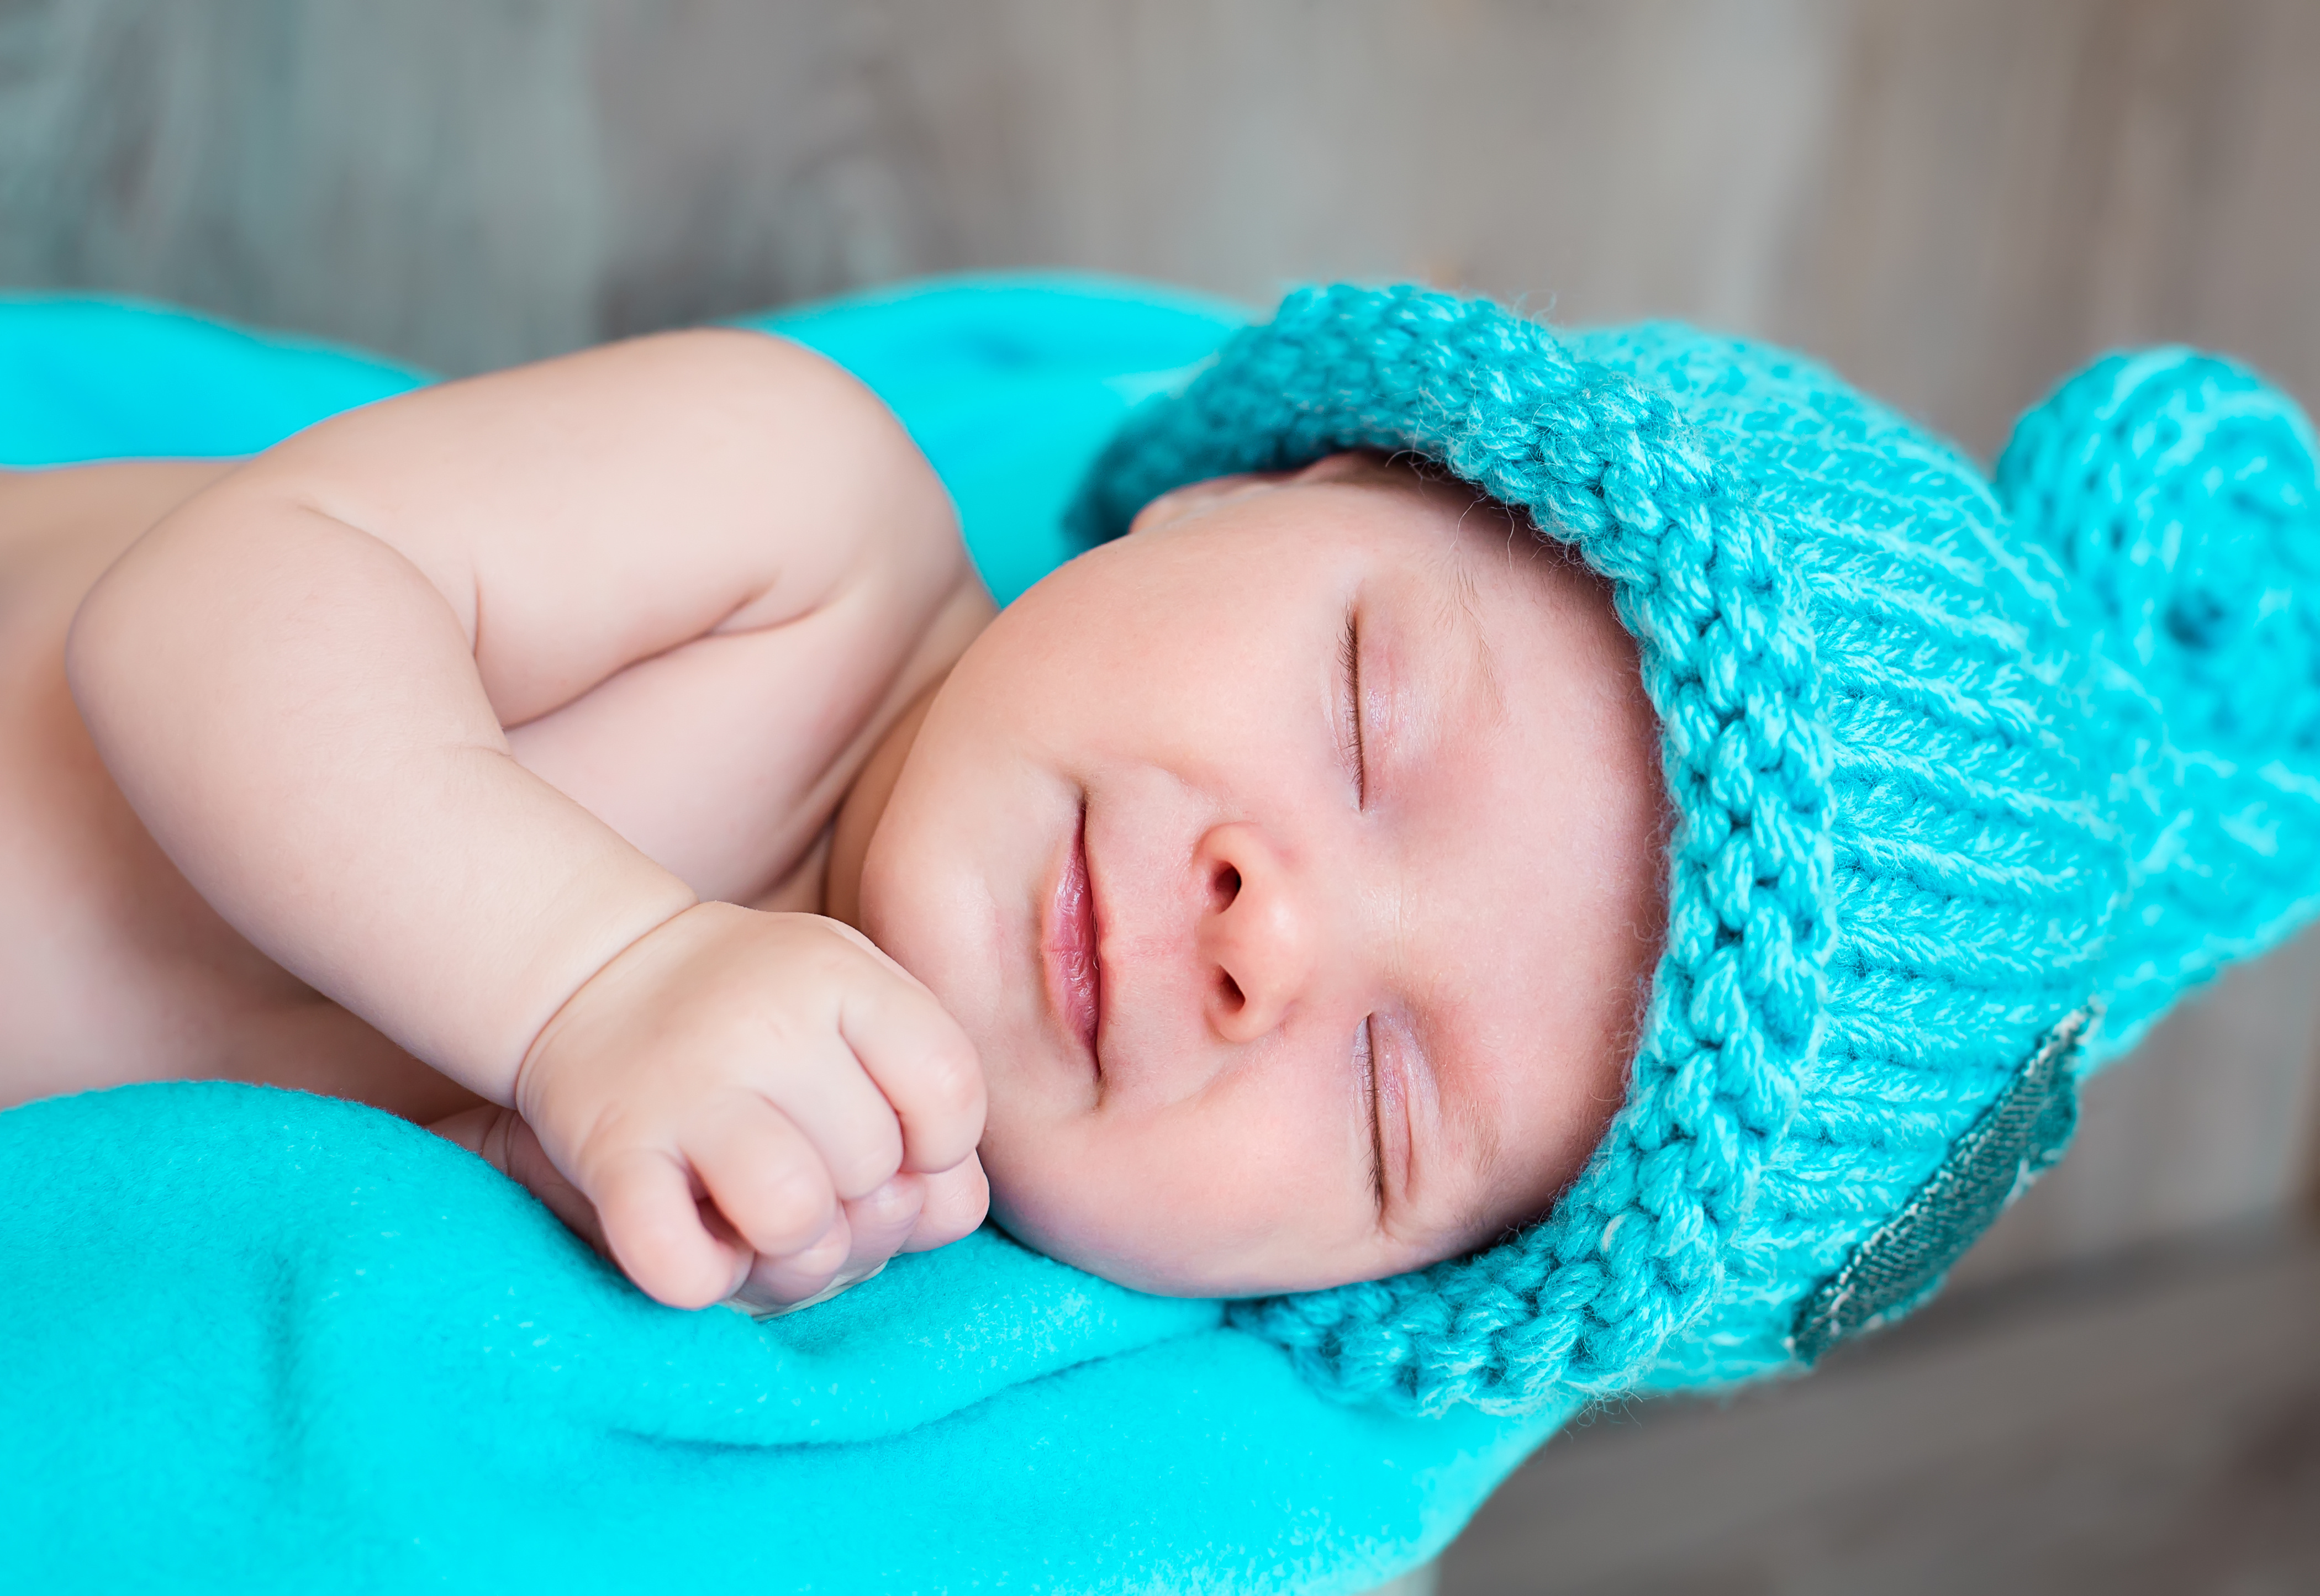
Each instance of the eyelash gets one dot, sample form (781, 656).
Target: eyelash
(1366, 1063)
(1349, 659)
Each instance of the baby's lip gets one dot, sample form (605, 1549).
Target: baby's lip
(1071, 943)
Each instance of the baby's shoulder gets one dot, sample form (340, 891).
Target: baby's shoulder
(788, 577)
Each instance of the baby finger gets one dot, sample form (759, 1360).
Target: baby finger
(654, 1230)
(826, 1094)
(957, 1200)
(924, 1062)
(765, 1178)
(880, 1222)
(778, 1282)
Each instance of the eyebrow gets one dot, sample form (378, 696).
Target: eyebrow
(1463, 1122)
(1467, 616)
(1445, 698)
(1481, 1132)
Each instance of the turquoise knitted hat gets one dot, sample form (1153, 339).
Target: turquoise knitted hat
(1969, 785)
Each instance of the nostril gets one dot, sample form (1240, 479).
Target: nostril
(1228, 886)
(1234, 1001)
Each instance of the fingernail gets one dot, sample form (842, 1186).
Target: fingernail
(846, 1283)
(872, 1273)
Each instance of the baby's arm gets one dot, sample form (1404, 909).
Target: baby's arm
(302, 678)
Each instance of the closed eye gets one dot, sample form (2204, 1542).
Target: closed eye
(1365, 1071)
(1350, 739)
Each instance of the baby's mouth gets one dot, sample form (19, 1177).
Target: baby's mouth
(1074, 969)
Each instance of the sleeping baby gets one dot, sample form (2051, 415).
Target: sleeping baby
(1531, 864)
(624, 746)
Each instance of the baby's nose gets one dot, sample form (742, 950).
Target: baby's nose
(1255, 938)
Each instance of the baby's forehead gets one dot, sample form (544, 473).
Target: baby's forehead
(1409, 473)
(1452, 516)
(1287, 538)
(1476, 544)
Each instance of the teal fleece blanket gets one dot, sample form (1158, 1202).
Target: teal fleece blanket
(256, 1340)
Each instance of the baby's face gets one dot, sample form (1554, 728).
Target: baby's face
(1293, 862)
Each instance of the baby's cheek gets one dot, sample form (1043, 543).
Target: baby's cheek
(1054, 1188)
(1041, 1191)
(1145, 1204)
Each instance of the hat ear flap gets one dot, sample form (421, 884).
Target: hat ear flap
(2172, 497)
(2175, 492)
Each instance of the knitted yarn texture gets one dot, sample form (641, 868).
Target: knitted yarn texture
(1935, 801)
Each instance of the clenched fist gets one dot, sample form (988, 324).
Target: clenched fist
(747, 1104)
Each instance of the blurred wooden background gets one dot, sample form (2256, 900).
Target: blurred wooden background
(1953, 201)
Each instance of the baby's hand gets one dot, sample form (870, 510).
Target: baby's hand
(758, 1103)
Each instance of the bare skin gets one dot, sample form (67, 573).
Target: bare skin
(1351, 784)
(116, 968)
(530, 756)
(814, 623)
